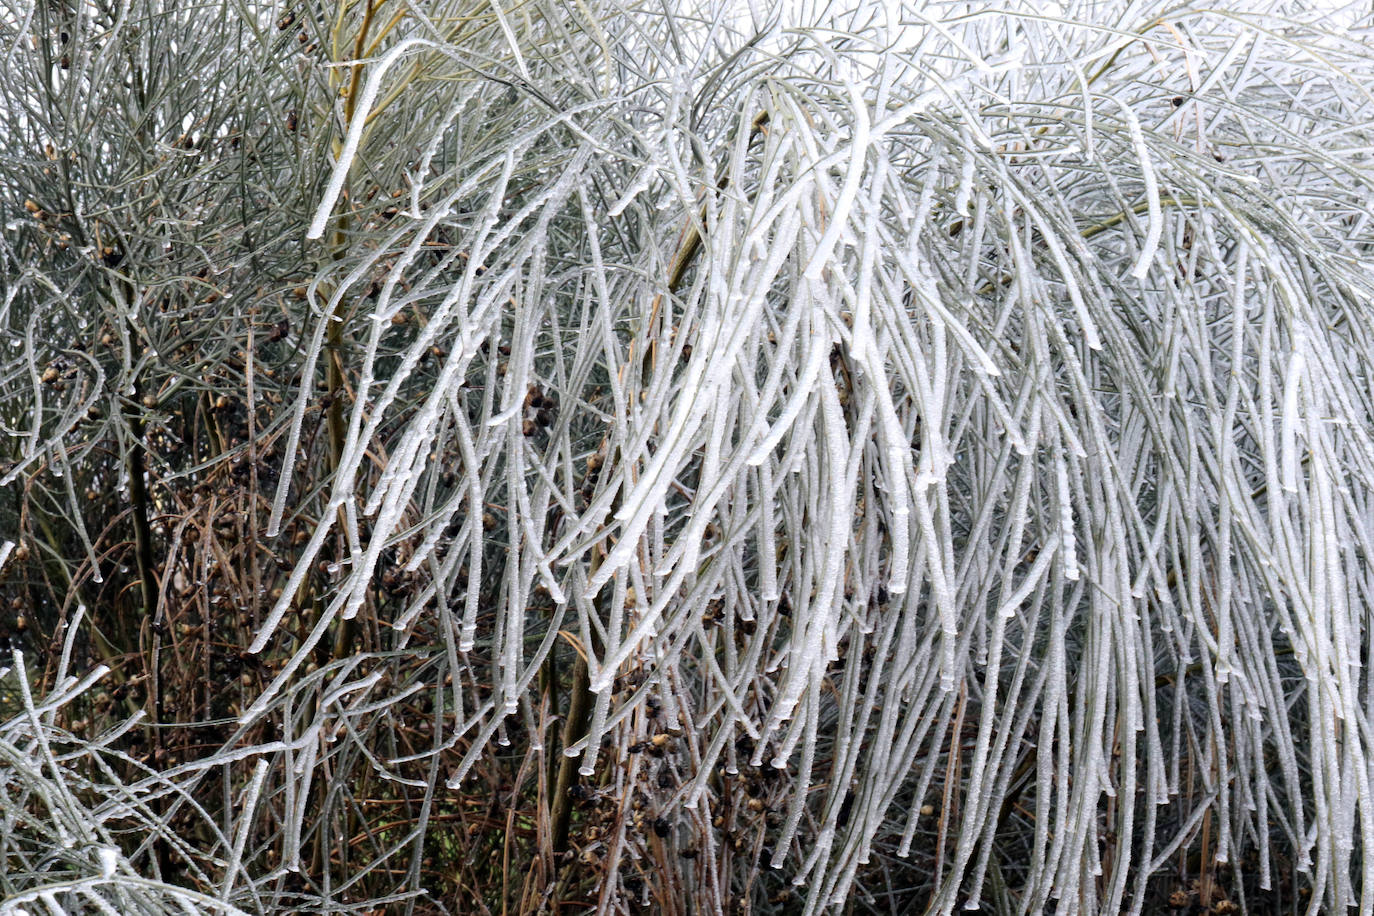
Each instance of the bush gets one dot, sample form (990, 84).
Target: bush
(464, 457)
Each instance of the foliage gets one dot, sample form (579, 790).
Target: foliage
(473, 457)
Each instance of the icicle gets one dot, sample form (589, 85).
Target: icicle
(1067, 538)
(839, 215)
(362, 108)
(637, 187)
(1288, 435)
(1147, 174)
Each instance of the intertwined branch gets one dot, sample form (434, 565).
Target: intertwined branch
(520, 456)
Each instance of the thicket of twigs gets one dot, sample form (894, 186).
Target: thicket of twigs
(475, 457)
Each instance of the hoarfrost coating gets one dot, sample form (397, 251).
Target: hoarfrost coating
(908, 458)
